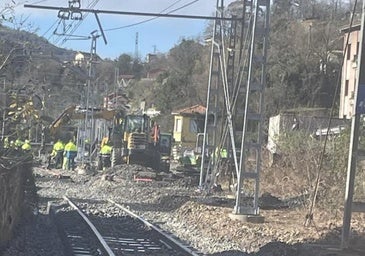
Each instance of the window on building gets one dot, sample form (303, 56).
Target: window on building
(178, 125)
(357, 48)
(193, 126)
(347, 88)
(196, 125)
(348, 51)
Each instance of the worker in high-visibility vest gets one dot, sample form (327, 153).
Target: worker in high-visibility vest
(105, 153)
(18, 143)
(70, 152)
(57, 153)
(6, 143)
(224, 153)
(26, 146)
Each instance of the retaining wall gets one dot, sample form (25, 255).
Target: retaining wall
(12, 200)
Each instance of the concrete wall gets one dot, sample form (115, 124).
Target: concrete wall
(308, 124)
(12, 187)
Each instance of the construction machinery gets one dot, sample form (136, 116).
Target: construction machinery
(86, 132)
(76, 113)
(165, 144)
(136, 139)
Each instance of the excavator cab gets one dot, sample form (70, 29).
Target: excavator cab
(138, 146)
(136, 130)
(137, 139)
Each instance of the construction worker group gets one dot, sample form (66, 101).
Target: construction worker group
(64, 155)
(18, 144)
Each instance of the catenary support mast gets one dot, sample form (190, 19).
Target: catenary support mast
(242, 109)
(354, 141)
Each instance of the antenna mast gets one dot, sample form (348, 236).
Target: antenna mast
(136, 53)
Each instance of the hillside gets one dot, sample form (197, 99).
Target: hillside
(31, 44)
(38, 67)
(33, 66)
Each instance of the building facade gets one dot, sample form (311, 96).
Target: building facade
(349, 71)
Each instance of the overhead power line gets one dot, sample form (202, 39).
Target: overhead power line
(181, 16)
(150, 19)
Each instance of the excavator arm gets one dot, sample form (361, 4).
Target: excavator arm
(72, 113)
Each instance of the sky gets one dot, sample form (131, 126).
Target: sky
(155, 35)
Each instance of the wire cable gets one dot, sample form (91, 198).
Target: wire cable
(161, 12)
(309, 215)
(54, 23)
(74, 28)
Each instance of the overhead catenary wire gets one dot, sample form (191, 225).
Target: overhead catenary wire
(309, 215)
(179, 16)
(67, 34)
(54, 24)
(96, 12)
(147, 20)
(91, 5)
(74, 28)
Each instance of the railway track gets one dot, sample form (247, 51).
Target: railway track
(89, 227)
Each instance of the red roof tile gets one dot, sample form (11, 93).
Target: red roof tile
(196, 109)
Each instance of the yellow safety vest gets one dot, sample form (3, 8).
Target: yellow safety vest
(106, 150)
(71, 147)
(26, 146)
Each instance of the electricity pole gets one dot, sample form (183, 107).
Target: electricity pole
(89, 128)
(354, 139)
(4, 114)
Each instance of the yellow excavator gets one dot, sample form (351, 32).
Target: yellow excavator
(136, 139)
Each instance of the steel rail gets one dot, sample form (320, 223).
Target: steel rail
(160, 231)
(92, 227)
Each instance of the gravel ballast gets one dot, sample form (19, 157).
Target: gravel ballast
(174, 203)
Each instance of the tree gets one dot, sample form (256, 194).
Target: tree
(124, 63)
(184, 56)
(180, 85)
(304, 59)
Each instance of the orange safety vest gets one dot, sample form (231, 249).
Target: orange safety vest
(104, 141)
(155, 133)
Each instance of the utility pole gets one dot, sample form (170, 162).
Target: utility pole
(136, 53)
(354, 139)
(4, 112)
(89, 129)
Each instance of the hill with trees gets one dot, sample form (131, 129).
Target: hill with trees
(304, 64)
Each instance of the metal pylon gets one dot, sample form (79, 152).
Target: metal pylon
(219, 123)
(237, 50)
(89, 129)
(238, 120)
(228, 86)
(252, 124)
(211, 117)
